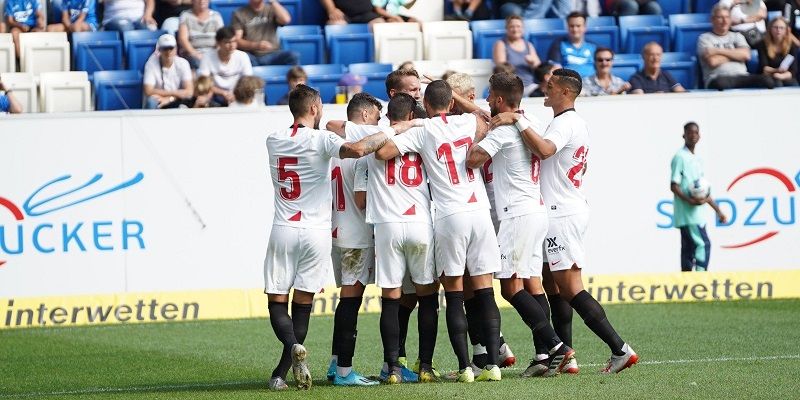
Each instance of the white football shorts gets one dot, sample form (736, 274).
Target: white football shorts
(563, 245)
(466, 239)
(403, 248)
(353, 265)
(298, 258)
(520, 240)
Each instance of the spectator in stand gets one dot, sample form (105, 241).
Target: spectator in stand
(652, 79)
(723, 54)
(589, 8)
(603, 83)
(249, 92)
(295, 76)
(390, 9)
(543, 75)
(342, 12)
(773, 53)
(76, 16)
(198, 27)
(256, 25)
(167, 77)
(225, 66)
(8, 103)
(752, 27)
(167, 13)
(23, 16)
(128, 15)
(792, 13)
(538, 8)
(574, 51)
(517, 51)
(634, 7)
(203, 86)
(469, 10)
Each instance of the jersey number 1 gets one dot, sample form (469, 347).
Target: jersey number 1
(446, 151)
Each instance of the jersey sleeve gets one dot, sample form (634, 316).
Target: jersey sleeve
(493, 142)
(677, 169)
(411, 141)
(361, 175)
(328, 143)
(559, 136)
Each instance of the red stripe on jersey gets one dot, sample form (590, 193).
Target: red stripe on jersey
(411, 211)
(335, 233)
(473, 199)
(294, 129)
(444, 117)
(296, 217)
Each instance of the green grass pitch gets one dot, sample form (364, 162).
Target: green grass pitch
(723, 350)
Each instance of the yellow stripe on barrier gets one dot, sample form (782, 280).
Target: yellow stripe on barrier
(251, 303)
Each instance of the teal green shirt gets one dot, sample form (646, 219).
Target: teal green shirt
(686, 168)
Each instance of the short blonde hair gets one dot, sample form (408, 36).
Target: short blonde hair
(246, 88)
(203, 85)
(460, 82)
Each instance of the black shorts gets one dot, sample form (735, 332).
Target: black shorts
(362, 18)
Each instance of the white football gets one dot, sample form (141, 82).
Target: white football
(700, 188)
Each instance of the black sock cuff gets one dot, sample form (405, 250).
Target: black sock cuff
(304, 308)
(280, 305)
(579, 298)
(387, 301)
(455, 295)
(351, 301)
(517, 297)
(484, 292)
(431, 298)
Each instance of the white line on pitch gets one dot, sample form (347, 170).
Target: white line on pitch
(136, 389)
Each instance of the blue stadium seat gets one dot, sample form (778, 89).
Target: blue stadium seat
(774, 14)
(682, 66)
(376, 77)
(704, 6)
(307, 40)
(484, 34)
(325, 77)
(685, 28)
(542, 32)
(670, 7)
(117, 90)
(226, 8)
(139, 45)
(96, 51)
(350, 44)
(603, 31)
(313, 14)
(274, 77)
(626, 65)
(636, 30)
(752, 65)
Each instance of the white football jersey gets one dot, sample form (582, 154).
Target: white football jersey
(562, 174)
(300, 166)
(443, 142)
(397, 189)
(487, 172)
(516, 173)
(349, 228)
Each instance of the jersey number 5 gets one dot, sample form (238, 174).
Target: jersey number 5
(292, 176)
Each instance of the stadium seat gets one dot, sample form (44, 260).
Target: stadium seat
(543, 32)
(603, 31)
(704, 6)
(479, 69)
(44, 52)
(682, 66)
(774, 14)
(139, 45)
(636, 30)
(752, 65)
(96, 51)
(226, 8)
(397, 42)
(274, 77)
(325, 77)
(8, 59)
(670, 7)
(349, 44)
(485, 34)
(118, 90)
(376, 77)
(312, 13)
(625, 65)
(306, 40)
(434, 69)
(64, 92)
(685, 28)
(25, 89)
(447, 40)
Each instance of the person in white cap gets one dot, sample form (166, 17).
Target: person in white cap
(167, 77)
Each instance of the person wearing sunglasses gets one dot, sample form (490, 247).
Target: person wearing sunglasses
(603, 82)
